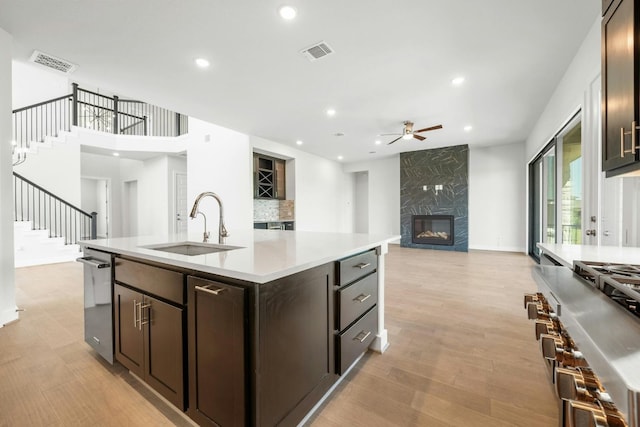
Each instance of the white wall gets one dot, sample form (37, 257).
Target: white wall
(33, 84)
(323, 191)
(361, 203)
(56, 169)
(153, 197)
(497, 198)
(384, 193)
(219, 160)
(7, 273)
(569, 94)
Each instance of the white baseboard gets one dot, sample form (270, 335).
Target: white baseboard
(498, 248)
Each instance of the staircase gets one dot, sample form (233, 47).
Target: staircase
(35, 247)
(48, 228)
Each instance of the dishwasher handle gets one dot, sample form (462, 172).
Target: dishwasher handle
(92, 262)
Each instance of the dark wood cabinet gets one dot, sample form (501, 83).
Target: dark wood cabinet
(620, 83)
(217, 353)
(150, 331)
(296, 346)
(356, 313)
(269, 177)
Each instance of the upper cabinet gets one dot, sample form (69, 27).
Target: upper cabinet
(269, 177)
(620, 82)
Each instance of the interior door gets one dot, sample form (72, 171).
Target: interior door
(181, 218)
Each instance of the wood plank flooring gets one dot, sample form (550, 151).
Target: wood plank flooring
(462, 353)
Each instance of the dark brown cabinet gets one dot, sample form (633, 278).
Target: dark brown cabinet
(296, 348)
(149, 331)
(217, 357)
(356, 315)
(269, 177)
(620, 83)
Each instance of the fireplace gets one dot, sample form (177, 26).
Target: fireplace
(432, 229)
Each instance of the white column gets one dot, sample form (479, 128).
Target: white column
(380, 343)
(7, 274)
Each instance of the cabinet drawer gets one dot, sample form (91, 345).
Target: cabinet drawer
(154, 280)
(354, 341)
(356, 299)
(357, 266)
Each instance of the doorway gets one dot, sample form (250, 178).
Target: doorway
(96, 197)
(180, 202)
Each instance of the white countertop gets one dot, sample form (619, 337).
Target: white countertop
(265, 255)
(567, 254)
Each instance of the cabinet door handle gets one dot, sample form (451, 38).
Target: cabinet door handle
(362, 336)
(135, 314)
(362, 265)
(362, 297)
(144, 321)
(634, 128)
(140, 316)
(208, 289)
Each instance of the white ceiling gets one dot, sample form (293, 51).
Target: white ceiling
(393, 61)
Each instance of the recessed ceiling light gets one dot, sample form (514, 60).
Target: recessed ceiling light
(287, 12)
(468, 128)
(457, 81)
(378, 142)
(299, 142)
(202, 63)
(372, 152)
(331, 112)
(116, 154)
(338, 134)
(340, 157)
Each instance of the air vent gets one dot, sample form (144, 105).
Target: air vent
(52, 62)
(317, 51)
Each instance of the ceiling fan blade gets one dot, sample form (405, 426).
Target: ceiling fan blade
(430, 128)
(418, 137)
(394, 140)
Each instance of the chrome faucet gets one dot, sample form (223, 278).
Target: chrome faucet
(222, 231)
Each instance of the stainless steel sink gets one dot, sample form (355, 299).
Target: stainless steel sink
(191, 248)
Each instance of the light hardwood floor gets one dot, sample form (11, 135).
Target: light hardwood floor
(462, 353)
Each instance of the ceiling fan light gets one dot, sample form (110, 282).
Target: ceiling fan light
(407, 136)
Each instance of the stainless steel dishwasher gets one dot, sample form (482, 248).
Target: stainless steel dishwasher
(98, 305)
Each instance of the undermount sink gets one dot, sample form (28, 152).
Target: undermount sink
(191, 248)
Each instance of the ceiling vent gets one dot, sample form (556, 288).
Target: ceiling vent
(317, 51)
(52, 62)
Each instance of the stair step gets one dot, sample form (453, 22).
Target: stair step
(35, 247)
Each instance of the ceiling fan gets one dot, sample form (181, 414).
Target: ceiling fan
(408, 132)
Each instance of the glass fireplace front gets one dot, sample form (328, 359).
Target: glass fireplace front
(432, 229)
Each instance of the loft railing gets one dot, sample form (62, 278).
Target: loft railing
(46, 211)
(91, 110)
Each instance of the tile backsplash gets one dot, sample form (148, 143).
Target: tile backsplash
(273, 210)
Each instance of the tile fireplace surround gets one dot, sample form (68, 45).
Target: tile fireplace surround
(435, 182)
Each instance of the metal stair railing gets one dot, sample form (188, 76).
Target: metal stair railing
(91, 110)
(47, 211)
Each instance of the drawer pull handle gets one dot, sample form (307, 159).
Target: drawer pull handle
(362, 297)
(362, 336)
(208, 289)
(362, 265)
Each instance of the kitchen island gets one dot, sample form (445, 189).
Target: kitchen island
(257, 332)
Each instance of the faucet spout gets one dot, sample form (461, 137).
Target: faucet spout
(222, 230)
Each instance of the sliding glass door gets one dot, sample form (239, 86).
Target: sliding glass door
(555, 190)
(542, 180)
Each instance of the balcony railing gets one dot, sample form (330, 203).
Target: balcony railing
(91, 110)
